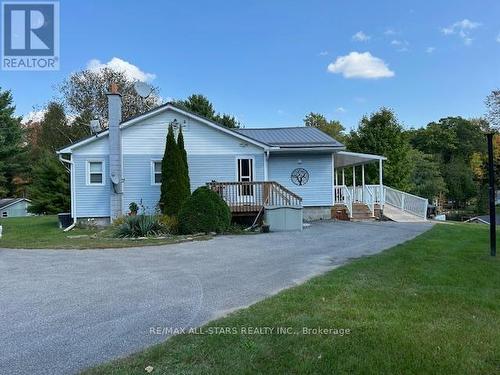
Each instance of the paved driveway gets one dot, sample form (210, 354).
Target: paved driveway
(64, 310)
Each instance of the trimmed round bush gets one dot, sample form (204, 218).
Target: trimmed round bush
(204, 211)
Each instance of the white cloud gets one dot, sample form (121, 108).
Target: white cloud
(33, 116)
(389, 32)
(462, 29)
(131, 71)
(498, 38)
(401, 44)
(340, 109)
(361, 37)
(360, 65)
(430, 49)
(323, 53)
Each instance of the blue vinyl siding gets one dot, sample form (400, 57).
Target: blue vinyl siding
(202, 169)
(91, 201)
(318, 190)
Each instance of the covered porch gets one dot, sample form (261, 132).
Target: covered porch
(351, 192)
(358, 197)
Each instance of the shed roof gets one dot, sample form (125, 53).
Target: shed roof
(293, 137)
(10, 201)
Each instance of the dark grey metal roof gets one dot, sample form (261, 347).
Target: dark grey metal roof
(8, 201)
(291, 137)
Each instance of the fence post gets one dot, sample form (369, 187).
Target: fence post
(402, 202)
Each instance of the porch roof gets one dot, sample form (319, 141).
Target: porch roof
(348, 159)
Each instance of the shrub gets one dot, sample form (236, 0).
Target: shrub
(170, 222)
(140, 226)
(133, 207)
(204, 211)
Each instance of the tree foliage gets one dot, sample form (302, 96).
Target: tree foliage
(85, 91)
(331, 127)
(427, 180)
(175, 175)
(56, 130)
(49, 190)
(200, 105)
(204, 211)
(12, 151)
(381, 134)
(459, 146)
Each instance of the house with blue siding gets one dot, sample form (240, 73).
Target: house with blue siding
(123, 164)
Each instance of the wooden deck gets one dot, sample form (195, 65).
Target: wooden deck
(249, 198)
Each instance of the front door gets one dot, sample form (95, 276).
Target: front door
(245, 174)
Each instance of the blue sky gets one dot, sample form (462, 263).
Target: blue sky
(270, 62)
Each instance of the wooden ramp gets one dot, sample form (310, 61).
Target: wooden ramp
(400, 216)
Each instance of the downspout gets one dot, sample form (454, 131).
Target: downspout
(72, 191)
(266, 167)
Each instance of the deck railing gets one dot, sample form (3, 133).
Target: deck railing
(375, 194)
(343, 195)
(243, 197)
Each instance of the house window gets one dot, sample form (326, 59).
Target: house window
(95, 174)
(156, 172)
(4, 214)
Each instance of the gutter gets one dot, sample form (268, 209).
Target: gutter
(72, 188)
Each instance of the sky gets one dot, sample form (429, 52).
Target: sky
(270, 62)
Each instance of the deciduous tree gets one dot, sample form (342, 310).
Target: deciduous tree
(85, 91)
(382, 134)
(331, 127)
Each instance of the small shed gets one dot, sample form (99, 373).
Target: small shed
(14, 207)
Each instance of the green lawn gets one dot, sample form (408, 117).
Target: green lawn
(429, 306)
(43, 232)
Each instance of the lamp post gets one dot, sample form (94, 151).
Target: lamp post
(491, 190)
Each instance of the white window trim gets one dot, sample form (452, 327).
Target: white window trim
(5, 214)
(238, 157)
(87, 172)
(153, 161)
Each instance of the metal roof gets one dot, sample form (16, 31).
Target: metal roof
(9, 201)
(295, 137)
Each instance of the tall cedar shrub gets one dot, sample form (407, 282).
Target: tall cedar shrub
(186, 189)
(175, 176)
(204, 211)
(168, 178)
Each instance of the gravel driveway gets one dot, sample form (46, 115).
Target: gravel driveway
(64, 310)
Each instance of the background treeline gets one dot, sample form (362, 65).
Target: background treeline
(445, 159)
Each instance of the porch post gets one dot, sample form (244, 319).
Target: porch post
(363, 182)
(334, 180)
(354, 183)
(343, 177)
(381, 185)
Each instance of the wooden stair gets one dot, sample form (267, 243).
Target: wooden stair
(360, 211)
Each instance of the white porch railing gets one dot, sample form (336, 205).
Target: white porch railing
(344, 196)
(404, 201)
(374, 194)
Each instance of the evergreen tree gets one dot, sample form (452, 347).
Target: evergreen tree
(185, 188)
(174, 176)
(49, 190)
(12, 156)
(200, 105)
(168, 180)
